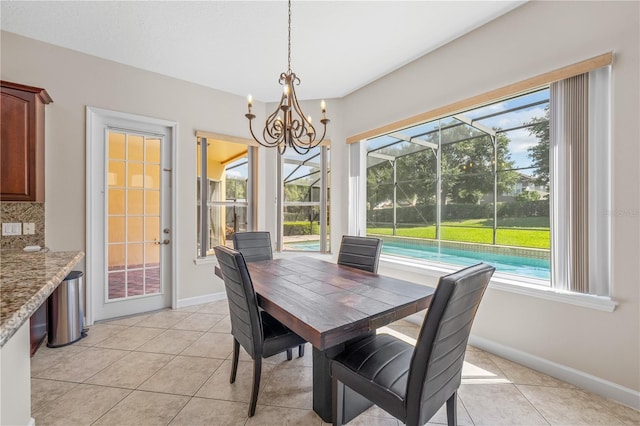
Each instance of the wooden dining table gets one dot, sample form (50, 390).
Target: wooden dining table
(330, 305)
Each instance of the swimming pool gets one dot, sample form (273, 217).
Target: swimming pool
(506, 263)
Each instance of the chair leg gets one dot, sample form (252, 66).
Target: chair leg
(300, 351)
(234, 362)
(289, 354)
(337, 405)
(257, 371)
(452, 415)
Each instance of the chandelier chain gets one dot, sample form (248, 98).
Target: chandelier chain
(289, 44)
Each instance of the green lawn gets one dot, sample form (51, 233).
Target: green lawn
(526, 232)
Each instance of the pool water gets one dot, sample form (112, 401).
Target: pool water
(516, 265)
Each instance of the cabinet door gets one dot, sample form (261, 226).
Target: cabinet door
(18, 148)
(22, 142)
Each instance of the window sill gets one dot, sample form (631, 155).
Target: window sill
(504, 282)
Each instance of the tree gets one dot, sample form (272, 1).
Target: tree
(235, 188)
(379, 184)
(528, 196)
(467, 169)
(468, 166)
(539, 153)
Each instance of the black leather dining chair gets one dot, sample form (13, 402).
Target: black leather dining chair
(413, 383)
(255, 246)
(255, 330)
(360, 252)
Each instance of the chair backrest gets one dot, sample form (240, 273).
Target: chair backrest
(436, 365)
(360, 252)
(246, 325)
(254, 246)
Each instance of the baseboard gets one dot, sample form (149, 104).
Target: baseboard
(32, 422)
(198, 300)
(597, 385)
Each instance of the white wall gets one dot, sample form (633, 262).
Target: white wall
(536, 38)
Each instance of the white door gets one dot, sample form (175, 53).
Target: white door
(129, 202)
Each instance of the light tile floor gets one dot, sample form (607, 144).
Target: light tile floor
(172, 367)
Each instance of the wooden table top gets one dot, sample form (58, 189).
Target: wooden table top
(328, 304)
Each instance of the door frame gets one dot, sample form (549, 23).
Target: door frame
(102, 117)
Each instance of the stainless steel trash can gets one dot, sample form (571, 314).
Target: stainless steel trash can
(66, 311)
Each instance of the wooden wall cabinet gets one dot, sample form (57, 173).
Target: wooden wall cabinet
(22, 142)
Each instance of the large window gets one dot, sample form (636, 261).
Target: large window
(521, 183)
(305, 200)
(490, 166)
(225, 183)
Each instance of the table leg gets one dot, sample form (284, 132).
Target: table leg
(354, 405)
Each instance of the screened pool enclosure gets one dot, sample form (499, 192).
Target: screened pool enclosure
(475, 181)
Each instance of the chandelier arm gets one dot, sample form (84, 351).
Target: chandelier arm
(273, 136)
(265, 143)
(312, 142)
(274, 130)
(301, 149)
(296, 129)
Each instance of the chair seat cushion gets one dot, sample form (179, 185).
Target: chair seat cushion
(377, 367)
(277, 337)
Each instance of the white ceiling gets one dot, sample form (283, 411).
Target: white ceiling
(241, 46)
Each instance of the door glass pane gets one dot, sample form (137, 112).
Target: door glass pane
(152, 176)
(134, 255)
(134, 229)
(135, 282)
(116, 229)
(116, 173)
(151, 255)
(133, 216)
(152, 280)
(117, 284)
(152, 228)
(116, 201)
(152, 150)
(134, 201)
(117, 146)
(152, 202)
(135, 148)
(135, 175)
(117, 255)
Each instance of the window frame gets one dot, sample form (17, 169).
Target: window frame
(323, 201)
(358, 185)
(202, 243)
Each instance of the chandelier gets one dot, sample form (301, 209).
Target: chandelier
(287, 125)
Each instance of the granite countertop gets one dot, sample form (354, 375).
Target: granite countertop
(26, 280)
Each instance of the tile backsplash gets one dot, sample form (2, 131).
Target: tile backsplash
(22, 212)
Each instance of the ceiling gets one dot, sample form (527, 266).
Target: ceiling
(241, 46)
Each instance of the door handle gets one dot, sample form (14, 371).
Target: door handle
(161, 242)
